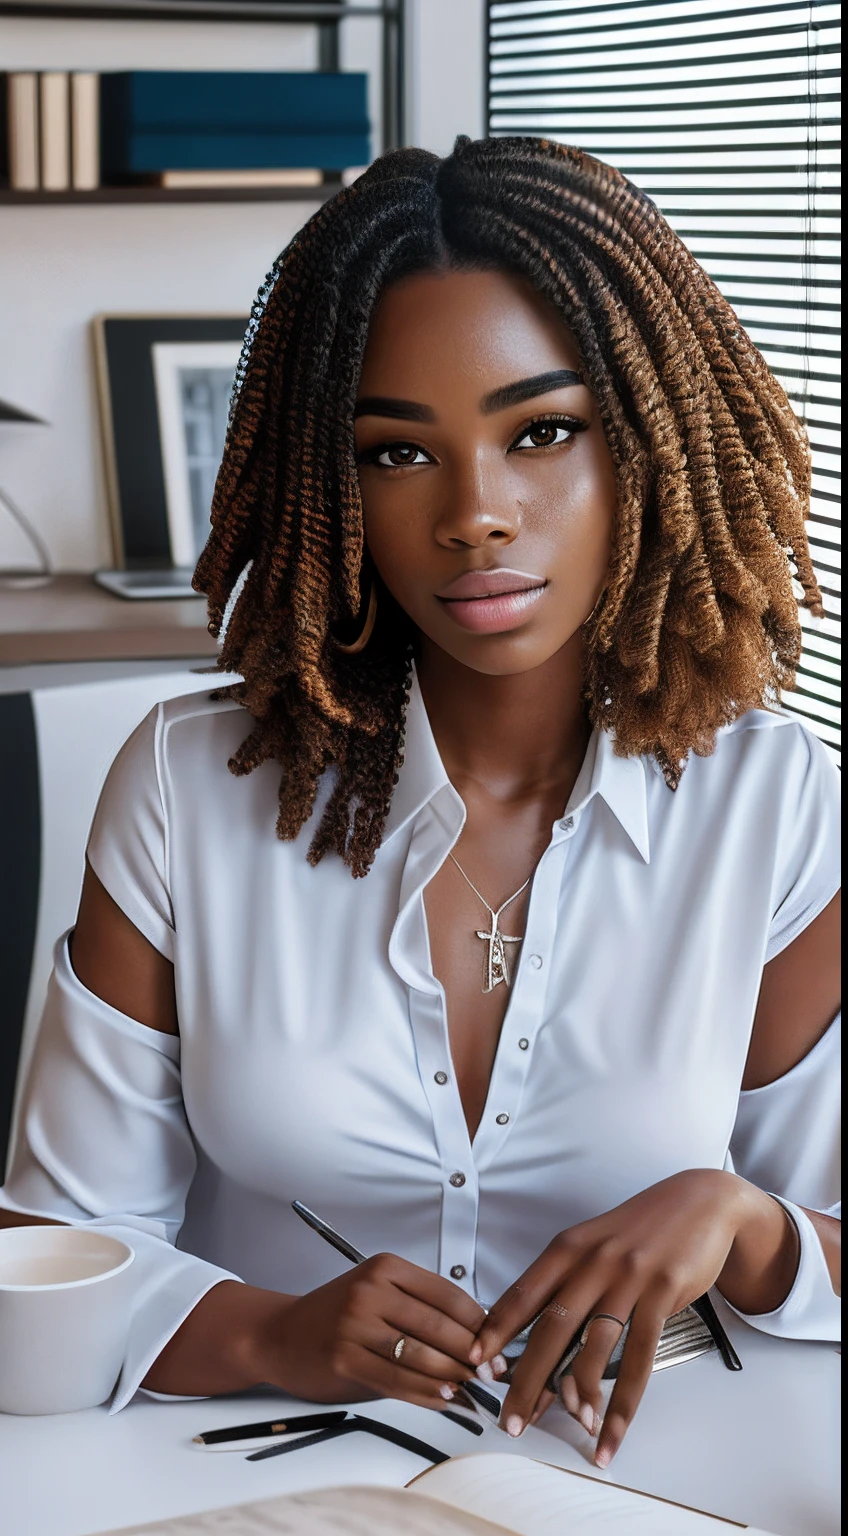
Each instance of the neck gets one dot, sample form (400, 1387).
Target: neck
(517, 735)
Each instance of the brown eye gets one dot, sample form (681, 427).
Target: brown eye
(547, 434)
(543, 435)
(399, 454)
(394, 455)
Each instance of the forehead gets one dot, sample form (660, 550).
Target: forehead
(443, 330)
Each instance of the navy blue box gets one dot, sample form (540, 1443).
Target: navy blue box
(165, 120)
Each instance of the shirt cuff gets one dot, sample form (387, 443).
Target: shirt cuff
(167, 1285)
(812, 1310)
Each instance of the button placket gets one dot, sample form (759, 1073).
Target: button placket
(526, 1006)
(458, 1227)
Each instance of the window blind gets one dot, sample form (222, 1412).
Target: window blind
(726, 112)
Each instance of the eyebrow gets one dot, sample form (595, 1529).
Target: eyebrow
(528, 389)
(384, 405)
(497, 400)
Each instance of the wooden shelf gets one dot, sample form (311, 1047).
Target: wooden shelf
(203, 10)
(73, 619)
(112, 195)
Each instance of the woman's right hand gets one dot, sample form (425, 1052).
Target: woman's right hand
(337, 1343)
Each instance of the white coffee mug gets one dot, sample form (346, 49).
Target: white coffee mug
(64, 1317)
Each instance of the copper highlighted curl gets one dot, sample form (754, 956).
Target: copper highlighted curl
(699, 620)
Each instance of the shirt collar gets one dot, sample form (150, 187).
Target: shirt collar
(620, 781)
(422, 773)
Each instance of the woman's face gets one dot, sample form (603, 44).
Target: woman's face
(487, 484)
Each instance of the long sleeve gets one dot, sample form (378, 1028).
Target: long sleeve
(786, 1140)
(103, 1140)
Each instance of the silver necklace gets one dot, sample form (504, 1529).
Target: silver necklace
(495, 964)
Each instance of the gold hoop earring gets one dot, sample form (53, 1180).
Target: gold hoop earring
(589, 617)
(361, 641)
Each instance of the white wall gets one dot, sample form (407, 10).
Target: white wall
(445, 82)
(61, 266)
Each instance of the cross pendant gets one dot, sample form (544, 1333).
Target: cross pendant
(496, 965)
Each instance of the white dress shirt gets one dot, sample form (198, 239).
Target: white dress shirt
(313, 1058)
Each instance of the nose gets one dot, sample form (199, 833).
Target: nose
(474, 509)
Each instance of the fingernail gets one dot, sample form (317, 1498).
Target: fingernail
(499, 1365)
(514, 1425)
(589, 1418)
(485, 1371)
(569, 1395)
(475, 1353)
(446, 1392)
(603, 1456)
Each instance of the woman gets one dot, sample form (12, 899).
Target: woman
(520, 504)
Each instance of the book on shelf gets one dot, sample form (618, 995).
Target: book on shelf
(54, 94)
(85, 131)
(181, 130)
(180, 181)
(222, 100)
(485, 1495)
(148, 154)
(154, 121)
(22, 137)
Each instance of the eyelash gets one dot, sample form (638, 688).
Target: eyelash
(571, 424)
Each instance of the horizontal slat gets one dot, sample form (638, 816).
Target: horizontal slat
(587, 46)
(822, 646)
(707, 106)
(657, 23)
(804, 703)
(763, 94)
(815, 685)
(562, 12)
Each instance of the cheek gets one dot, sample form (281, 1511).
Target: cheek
(574, 508)
(397, 532)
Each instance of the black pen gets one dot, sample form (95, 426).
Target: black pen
(485, 1400)
(273, 1427)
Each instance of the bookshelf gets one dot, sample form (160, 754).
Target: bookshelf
(325, 15)
(107, 195)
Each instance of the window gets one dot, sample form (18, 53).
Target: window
(726, 112)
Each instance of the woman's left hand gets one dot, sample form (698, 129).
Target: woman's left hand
(643, 1260)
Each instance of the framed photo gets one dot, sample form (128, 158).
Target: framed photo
(194, 381)
(163, 385)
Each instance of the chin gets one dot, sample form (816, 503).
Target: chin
(506, 655)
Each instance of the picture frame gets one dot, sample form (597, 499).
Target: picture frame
(194, 382)
(150, 507)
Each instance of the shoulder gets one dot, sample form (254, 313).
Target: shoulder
(186, 725)
(767, 754)
(193, 722)
(183, 742)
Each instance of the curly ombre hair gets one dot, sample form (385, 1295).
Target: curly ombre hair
(698, 620)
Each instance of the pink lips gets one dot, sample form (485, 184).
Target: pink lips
(491, 602)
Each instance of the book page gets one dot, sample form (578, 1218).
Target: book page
(535, 1499)
(328, 1512)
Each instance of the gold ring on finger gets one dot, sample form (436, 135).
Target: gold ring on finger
(399, 1348)
(608, 1316)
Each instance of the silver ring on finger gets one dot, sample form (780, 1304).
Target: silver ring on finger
(399, 1348)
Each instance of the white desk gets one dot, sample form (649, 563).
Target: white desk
(760, 1446)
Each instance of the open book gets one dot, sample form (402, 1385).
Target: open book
(485, 1495)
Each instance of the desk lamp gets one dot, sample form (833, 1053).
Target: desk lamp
(43, 575)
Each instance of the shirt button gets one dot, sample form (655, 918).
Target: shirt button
(441, 1078)
(523, 1044)
(566, 824)
(457, 1180)
(536, 962)
(502, 1119)
(458, 1272)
